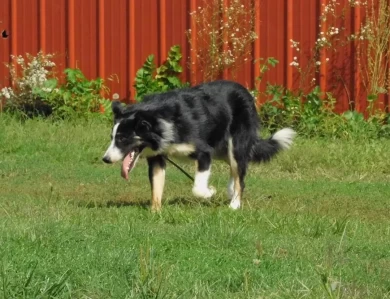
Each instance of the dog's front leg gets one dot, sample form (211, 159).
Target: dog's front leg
(201, 182)
(157, 180)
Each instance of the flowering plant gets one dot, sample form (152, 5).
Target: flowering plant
(27, 75)
(371, 41)
(36, 91)
(223, 37)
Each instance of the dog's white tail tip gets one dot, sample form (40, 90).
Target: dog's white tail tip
(284, 137)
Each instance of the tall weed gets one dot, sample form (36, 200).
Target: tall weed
(223, 37)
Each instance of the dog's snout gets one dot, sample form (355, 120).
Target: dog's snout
(107, 160)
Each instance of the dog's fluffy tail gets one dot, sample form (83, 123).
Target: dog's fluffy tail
(264, 150)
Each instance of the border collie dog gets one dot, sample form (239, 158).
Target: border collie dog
(212, 120)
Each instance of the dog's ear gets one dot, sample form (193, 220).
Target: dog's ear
(143, 125)
(117, 109)
(144, 121)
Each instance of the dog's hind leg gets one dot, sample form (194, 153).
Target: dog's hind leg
(157, 180)
(201, 187)
(230, 186)
(238, 167)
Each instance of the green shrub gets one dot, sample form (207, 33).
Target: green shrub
(77, 96)
(27, 74)
(151, 79)
(36, 90)
(313, 113)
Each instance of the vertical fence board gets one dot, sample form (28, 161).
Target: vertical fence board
(273, 24)
(5, 42)
(115, 46)
(173, 25)
(86, 35)
(54, 28)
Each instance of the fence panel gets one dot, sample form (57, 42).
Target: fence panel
(106, 38)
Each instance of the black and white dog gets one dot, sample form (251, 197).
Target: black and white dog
(212, 120)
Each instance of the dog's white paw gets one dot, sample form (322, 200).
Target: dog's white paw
(235, 204)
(204, 192)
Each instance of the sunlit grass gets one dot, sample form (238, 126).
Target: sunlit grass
(315, 222)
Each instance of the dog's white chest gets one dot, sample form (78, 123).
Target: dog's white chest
(181, 149)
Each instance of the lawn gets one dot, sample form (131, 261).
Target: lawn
(315, 222)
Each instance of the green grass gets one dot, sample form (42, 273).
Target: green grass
(315, 222)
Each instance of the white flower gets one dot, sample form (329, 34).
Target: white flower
(7, 92)
(318, 62)
(20, 60)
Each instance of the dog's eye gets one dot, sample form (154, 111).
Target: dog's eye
(121, 138)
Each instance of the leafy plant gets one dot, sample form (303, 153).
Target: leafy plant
(151, 79)
(26, 74)
(265, 65)
(313, 113)
(77, 95)
(37, 91)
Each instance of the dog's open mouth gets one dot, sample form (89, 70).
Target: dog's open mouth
(129, 162)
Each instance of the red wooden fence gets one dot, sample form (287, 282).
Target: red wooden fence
(106, 37)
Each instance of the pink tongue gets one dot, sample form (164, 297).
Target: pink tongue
(125, 165)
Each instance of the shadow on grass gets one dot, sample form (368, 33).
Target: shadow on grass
(176, 201)
(113, 204)
(189, 201)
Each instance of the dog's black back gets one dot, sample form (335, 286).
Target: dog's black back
(206, 114)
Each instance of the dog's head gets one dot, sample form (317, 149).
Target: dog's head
(134, 131)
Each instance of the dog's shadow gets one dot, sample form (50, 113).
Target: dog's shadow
(145, 204)
(113, 204)
(190, 201)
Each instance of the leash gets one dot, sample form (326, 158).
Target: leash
(181, 169)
